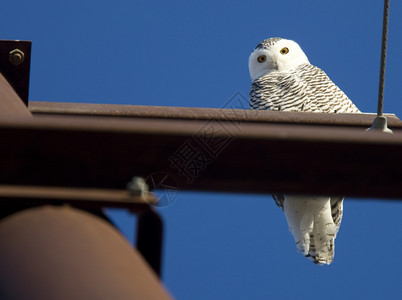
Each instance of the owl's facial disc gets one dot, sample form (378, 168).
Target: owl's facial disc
(273, 55)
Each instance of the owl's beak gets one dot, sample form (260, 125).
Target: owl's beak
(273, 65)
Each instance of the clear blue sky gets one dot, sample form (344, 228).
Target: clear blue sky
(195, 53)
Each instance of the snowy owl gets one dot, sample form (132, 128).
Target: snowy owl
(284, 80)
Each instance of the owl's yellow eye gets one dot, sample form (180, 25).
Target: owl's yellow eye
(284, 50)
(261, 58)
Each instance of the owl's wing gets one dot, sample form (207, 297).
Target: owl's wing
(337, 211)
(306, 88)
(279, 200)
(323, 91)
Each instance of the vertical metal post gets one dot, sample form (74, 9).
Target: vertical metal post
(149, 238)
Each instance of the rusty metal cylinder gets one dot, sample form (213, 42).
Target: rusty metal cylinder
(59, 252)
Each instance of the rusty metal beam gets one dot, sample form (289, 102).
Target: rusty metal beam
(191, 113)
(79, 197)
(231, 155)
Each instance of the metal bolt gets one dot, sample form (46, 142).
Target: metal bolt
(138, 187)
(16, 57)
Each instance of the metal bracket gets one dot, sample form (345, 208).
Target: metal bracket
(15, 61)
(149, 238)
(380, 123)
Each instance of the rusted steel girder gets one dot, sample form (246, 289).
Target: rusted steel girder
(78, 197)
(206, 114)
(223, 155)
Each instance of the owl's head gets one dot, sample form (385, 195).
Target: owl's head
(275, 55)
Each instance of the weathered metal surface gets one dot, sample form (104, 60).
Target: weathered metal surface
(191, 113)
(201, 155)
(81, 197)
(11, 104)
(60, 252)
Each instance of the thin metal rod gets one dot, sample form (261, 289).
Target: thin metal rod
(383, 59)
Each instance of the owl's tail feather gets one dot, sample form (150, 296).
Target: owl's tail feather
(325, 256)
(322, 239)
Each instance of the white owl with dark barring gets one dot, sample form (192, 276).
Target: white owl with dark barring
(284, 80)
